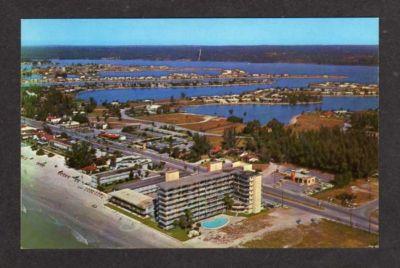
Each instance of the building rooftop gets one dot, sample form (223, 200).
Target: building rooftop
(184, 181)
(133, 197)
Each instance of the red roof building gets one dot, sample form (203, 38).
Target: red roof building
(89, 169)
(109, 136)
(45, 136)
(216, 149)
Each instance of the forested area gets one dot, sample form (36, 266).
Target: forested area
(366, 120)
(334, 54)
(351, 154)
(38, 103)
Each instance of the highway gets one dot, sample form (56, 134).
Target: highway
(356, 217)
(115, 146)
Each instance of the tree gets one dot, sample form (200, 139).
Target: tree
(228, 201)
(350, 154)
(346, 198)
(40, 152)
(81, 118)
(131, 175)
(252, 127)
(186, 221)
(234, 119)
(200, 147)
(229, 138)
(91, 105)
(80, 155)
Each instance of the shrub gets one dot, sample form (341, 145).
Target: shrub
(50, 155)
(40, 152)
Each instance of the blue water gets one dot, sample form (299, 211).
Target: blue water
(361, 74)
(283, 113)
(163, 93)
(154, 73)
(215, 223)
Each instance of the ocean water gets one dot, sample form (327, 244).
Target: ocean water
(40, 230)
(40, 227)
(283, 113)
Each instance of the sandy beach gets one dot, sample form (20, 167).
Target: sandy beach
(82, 207)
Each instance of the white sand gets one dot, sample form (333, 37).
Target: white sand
(74, 201)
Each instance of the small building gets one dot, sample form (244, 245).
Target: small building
(172, 175)
(44, 137)
(71, 124)
(53, 119)
(133, 201)
(60, 144)
(152, 108)
(301, 176)
(245, 166)
(89, 169)
(27, 132)
(214, 166)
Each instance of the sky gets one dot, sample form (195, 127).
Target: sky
(213, 32)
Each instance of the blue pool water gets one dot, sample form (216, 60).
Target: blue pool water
(215, 223)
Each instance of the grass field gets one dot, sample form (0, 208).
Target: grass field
(177, 233)
(314, 121)
(361, 188)
(195, 122)
(324, 234)
(175, 118)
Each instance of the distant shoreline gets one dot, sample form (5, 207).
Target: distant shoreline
(303, 54)
(253, 103)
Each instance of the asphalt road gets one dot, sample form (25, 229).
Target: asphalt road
(343, 217)
(113, 146)
(358, 217)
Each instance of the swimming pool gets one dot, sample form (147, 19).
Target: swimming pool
(215, 223)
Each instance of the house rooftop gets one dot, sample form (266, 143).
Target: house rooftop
(133, 197)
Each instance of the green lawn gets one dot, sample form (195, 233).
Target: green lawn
(176, 232)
